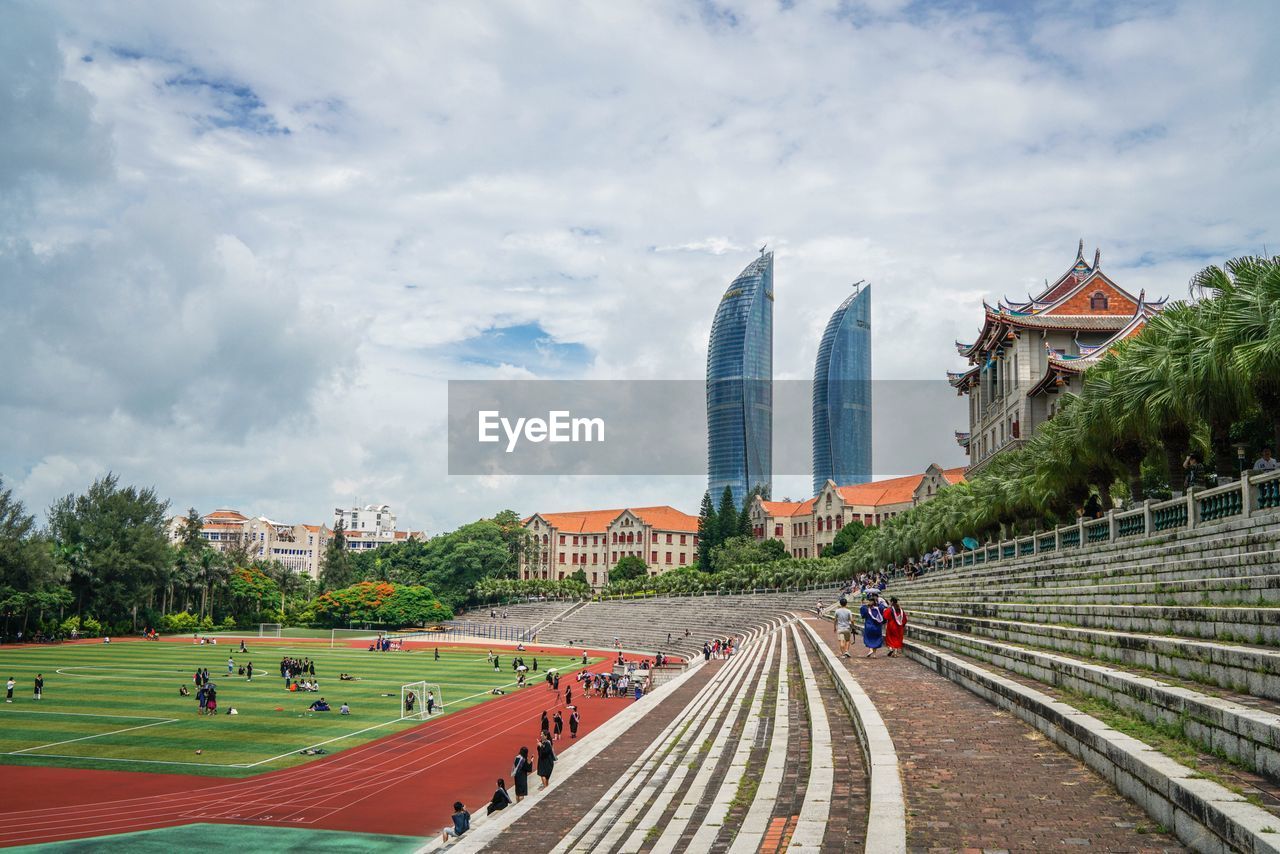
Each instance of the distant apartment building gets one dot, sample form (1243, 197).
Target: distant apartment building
(298, 547)
(807, 528)
(595, 540)
(371, 526)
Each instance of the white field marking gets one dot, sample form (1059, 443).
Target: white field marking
(235, 789)
(24, 750)
(117, 759)
(139, 808)
(366, 729)
(83, 715)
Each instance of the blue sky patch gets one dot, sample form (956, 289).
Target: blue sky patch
(525, 345)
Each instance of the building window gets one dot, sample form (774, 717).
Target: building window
(1098, 302)
(562, 557)
(682, 557)
(595, 558)
(562, 539)
(682, 539)
(668, 558)
(668, 539)
(655, 558)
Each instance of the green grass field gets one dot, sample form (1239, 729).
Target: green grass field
(117, 706)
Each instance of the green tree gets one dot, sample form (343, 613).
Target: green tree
(726, 519)
(846, 538)
(337, 569)
(628, 568)
(579, 575)
(118, 535)
(27, 569)
(708, 531)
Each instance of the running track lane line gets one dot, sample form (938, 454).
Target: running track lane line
(165, 810)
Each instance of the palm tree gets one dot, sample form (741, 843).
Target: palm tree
(1248, 333)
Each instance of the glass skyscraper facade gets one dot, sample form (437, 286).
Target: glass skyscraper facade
(740, 385)
(842, 396)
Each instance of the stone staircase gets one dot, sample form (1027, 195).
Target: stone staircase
(1171, 644)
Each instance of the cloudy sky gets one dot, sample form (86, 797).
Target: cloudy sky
(243, 246)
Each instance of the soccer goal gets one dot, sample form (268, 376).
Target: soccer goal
(419, 700)
(269, 630)
(344, 637)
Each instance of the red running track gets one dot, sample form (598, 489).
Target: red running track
(404, 783)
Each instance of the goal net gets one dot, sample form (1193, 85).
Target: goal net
(348, 637)
(269, 630)
(420, 700)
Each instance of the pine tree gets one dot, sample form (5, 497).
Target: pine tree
(708, 528)
(744, 515)
(726, 518)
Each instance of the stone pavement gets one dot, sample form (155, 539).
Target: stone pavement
(978, 779)
(552, 816)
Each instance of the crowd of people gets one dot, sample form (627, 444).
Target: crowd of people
(884, 623)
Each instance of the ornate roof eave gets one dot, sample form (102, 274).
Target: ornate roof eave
(962, 439)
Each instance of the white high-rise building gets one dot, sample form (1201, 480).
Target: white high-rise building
(374, 520)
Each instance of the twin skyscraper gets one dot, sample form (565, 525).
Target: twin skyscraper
(740, 389)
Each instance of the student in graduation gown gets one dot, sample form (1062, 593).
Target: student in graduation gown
(872, 625)
(895, 625)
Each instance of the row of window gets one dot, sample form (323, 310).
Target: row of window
(620, 538)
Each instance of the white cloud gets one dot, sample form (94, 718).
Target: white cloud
(242, 315)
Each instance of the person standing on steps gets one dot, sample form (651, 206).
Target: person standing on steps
(844, 626)
(872, 625)
(520, 774)
(895, 626)
(546, 759)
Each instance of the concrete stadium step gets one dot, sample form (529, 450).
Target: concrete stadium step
(1249, 625)
(976, 778)
(1048, 577)
(1235, 538)
(1245, 669)
(1243, 729)
(610, 823)
(1203, 814)
(1226, 590)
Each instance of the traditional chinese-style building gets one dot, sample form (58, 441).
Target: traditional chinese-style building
(1029, 352)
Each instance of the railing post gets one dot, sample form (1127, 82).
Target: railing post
(1057, 539)
(1246, 494)
(1111, 525)
(1193, 516)
(1146, 517)
(1080, 527)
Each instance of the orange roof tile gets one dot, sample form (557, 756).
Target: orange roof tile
(787, 508)
(227, 514)
(896, 490)
(661, 517)
(665, 518)
(955, 475)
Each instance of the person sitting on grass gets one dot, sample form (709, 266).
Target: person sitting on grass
(344, 709)
(346, 677)
(461, 823)
(182, 691)
(319, 706)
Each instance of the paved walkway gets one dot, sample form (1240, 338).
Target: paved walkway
(977, 778)
(546, 822)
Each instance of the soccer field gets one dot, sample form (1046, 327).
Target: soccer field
(117, 706)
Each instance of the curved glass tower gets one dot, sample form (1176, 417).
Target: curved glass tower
(739, 385)
(842, 396)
